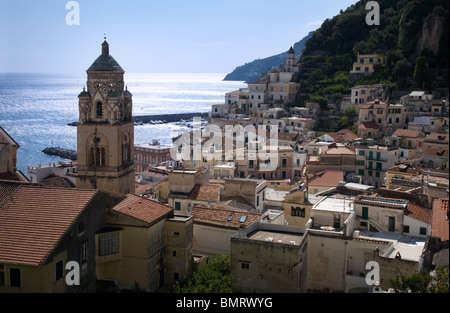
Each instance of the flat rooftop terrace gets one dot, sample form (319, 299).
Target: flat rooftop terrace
(278, 237)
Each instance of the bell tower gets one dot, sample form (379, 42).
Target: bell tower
(105, 131)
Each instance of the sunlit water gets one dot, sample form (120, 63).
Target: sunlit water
(35, 109)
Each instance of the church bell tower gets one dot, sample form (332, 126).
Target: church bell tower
(105, 131)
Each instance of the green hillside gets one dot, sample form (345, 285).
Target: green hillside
(413, 34)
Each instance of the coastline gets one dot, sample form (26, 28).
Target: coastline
(163, 118)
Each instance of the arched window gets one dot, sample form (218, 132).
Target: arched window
(126, 150)
(99, 109)
(97, 154)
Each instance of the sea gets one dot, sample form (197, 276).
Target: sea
(35, 109)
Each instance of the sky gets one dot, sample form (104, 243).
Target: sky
(147, 36)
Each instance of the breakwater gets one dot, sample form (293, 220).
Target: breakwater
(169, 118)
(61, 152)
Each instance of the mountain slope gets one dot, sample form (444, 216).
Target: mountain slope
(252, 71)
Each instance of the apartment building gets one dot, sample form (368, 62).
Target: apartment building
(335, 157)
(365, 63)
(389, 117)
(373, 161)
(365, 93)
(435, 151)
(150, 155)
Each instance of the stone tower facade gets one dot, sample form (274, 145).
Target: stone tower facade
(105, 132)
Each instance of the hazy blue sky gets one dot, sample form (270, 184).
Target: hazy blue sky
(166, 36)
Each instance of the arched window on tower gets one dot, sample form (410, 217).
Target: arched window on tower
(99, 109)
(97, 154)
(126, 149)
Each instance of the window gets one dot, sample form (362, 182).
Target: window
(362, 152)
(177, 206)
(81, 228)
(84, 252)
(2, 274)
(361, 172)
(406, 229)
(423, 231)
(15, 279)
(300, 212)
(245, 266)
(243, 218)
(176, 233)
(59, 271)
(99, 109)
(250, 163)
(230, 218)
(283, 163)
(176, 276)
(174, 253)
(108, 244)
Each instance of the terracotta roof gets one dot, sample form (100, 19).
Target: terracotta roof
(145, 210)
(418, 213)
(370, 125)
(436, 137)
(34, 220)
(344, 135)
(439, 224)
(335, 149)
(327, 179)
(56, 181)
(443, 152)
(206, 193)
(8, 188)
(408, 133)
(224, 217)
(377, 200)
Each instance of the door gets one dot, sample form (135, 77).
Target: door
(365, 212)
(391, 223)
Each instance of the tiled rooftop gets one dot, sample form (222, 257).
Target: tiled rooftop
(326, 179)
(419, 213)
(34, 219)
(225, 217)
(146, 210)
(206, 193)
(440, 223)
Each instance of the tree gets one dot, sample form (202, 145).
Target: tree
(322, 101)
(421, 71)
(214, 277)
(423, 282)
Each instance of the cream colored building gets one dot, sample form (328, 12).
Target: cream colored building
(268, 258)
(142, 242)
(365, 63)
(389, 117)
(214, 227)
(296, 207)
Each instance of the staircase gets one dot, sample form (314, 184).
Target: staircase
(377, 226)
